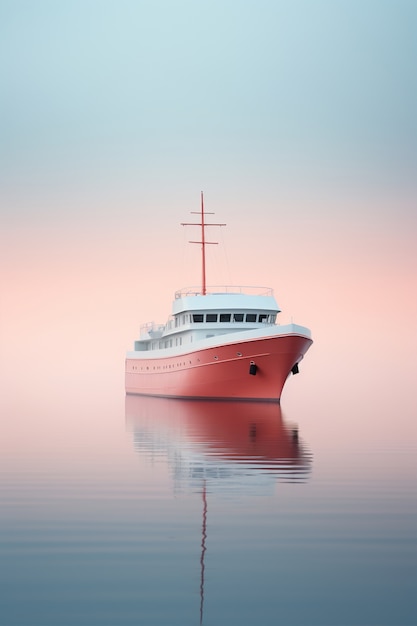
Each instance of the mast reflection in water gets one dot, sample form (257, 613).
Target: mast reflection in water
(218, 447)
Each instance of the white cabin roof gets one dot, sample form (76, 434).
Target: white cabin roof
(186, 300)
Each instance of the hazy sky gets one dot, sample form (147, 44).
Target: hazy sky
(297, 118)
(138, 97)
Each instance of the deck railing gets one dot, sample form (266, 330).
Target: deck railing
(224, 289)
(152, 328)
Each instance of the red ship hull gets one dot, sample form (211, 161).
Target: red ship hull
(246, 370)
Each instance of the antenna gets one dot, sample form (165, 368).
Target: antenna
(203, 241)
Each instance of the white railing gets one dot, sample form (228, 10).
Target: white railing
(151, 327)
(224, 289)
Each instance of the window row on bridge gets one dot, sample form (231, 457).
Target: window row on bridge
(234, 317)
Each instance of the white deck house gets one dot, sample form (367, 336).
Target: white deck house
(223, 310)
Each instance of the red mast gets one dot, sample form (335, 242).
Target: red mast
(203, 241)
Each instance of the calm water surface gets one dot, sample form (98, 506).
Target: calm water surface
(121, 511)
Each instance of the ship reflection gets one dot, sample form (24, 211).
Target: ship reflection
(224, 444)
(218, 447)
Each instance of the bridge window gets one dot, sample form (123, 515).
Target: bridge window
(263, 317)
(251, 317)
(238, 317)
(211, 317)
(225, 317)
(197, 317)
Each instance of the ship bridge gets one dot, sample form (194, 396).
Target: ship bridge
(226, 300)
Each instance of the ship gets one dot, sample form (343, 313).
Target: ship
(219, 343)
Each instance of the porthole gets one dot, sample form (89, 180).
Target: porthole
(239, 353)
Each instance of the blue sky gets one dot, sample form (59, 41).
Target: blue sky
(194, 94)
